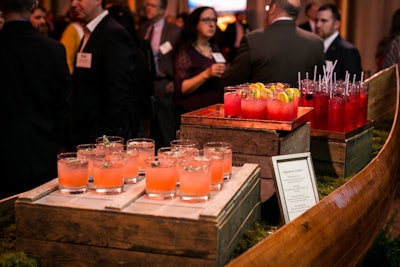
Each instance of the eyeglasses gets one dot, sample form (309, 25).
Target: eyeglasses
(208, 20)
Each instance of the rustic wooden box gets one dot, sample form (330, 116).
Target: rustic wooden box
(341, 154)
(253, 141)
(131, 230)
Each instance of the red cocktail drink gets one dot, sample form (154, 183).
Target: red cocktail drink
(321, 106)
(336, 114)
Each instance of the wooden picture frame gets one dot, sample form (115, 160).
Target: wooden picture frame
(295, 184)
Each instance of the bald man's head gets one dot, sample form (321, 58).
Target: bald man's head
(290, 7)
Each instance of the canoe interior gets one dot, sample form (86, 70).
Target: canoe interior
(341, 228)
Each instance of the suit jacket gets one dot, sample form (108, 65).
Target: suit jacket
(347, 56)
(34, 79)
(306, 26)
(102, 95)
(170, 33)
(276, 54)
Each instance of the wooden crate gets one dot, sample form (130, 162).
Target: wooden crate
(131, 230)
(341, 154)
(253, 141)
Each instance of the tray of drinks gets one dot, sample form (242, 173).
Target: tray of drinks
(214, 116)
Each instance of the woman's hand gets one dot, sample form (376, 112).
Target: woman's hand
(216, 70)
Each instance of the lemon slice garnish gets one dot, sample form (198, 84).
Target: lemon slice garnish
(284, 97)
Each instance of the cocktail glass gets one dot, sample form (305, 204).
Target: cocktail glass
(131, 172)
(254, 108)
(177, 154)
(88, 151)
(161, 177)
(184, 146)
(321, 107)
(232, 99)
(109, 172)
(72, 173)
(226, 149)
(216, 158)
(362, 103)
(350, 111)
(110, 143)
(195, 180)
(336, 114)
(146, 148)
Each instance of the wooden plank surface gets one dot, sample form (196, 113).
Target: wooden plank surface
(246, 141)
(77, 255)
(382, 94)
(341, 135)
(214, 115)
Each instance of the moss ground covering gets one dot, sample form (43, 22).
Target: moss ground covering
(385, 252)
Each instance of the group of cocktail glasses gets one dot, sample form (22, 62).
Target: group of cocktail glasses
(339, 106)
(182, 169)
(272, 101)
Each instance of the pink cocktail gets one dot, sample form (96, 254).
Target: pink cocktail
(145, 147)
(109, 173)
(232, 99)
(226, 149)
(254, 108)
(131, 171)
(72, 173)
(195, 180)
(281, 111)
(217, 168)
(336, 114)
(161, 177)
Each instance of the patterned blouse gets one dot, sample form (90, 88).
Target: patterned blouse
(188, 63)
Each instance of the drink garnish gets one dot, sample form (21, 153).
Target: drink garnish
(106, 142)
(72, 161)
(155, 163)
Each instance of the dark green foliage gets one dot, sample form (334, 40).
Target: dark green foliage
(18, 259)
(385, 252)
(256, 233)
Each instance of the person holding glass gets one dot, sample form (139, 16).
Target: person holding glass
(198, 64)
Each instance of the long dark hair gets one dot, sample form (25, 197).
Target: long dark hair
(189, 31)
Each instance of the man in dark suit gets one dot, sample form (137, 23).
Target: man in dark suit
(103, 80)
(335, 47)
(278, 52)
(233, 34)
(34, 80)
(311, 11)
(162, 37)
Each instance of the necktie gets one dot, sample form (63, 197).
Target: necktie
(149, 34)
(86, 35)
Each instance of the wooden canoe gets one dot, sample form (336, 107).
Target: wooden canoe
(339, 230)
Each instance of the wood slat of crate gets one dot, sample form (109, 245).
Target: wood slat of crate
(253, 145)
(341, 154)
(214, 115)
(85, 230)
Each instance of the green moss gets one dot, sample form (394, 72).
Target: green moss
(385, 252)
(17, 259)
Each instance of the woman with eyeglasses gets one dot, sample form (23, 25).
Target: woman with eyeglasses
(198, 64)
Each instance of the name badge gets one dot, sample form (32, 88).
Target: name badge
(218, 57)
(84, 60)
(165, 47)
